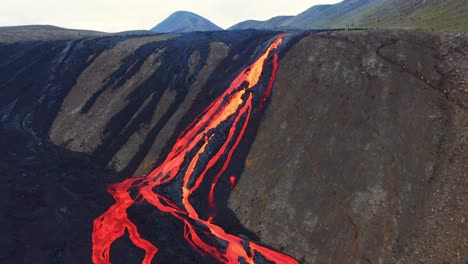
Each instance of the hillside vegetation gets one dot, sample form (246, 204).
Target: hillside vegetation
(433, 15)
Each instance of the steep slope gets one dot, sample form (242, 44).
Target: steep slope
(360, 156)
(431, 15)
(323, 15)
(320, 16)
(183, 21)
(428, 15)
(146, 90)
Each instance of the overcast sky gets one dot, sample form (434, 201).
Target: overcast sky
(121, 15)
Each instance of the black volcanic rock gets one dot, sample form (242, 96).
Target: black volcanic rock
(361, 154)
(47, 206)
(184, 21)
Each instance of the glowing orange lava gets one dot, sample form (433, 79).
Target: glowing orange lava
(233, 108)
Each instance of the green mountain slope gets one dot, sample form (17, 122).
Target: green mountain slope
(323, 16)
(437, 15)
(446, 15)
(271, 23)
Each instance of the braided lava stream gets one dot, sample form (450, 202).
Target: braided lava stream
(211, 139)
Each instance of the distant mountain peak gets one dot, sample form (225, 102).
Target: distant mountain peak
(185, 21)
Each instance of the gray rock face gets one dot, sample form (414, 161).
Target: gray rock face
(359, 160)
(183, 21)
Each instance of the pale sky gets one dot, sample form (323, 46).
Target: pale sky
(121, 15)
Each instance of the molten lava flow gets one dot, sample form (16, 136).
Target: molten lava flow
(194, 154)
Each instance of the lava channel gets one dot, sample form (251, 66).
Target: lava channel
(225, 120)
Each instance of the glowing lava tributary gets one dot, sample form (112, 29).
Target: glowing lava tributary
(189, 162)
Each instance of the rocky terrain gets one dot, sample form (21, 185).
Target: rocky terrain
(360, 157)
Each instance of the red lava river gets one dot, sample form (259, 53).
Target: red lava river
(187, 163)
